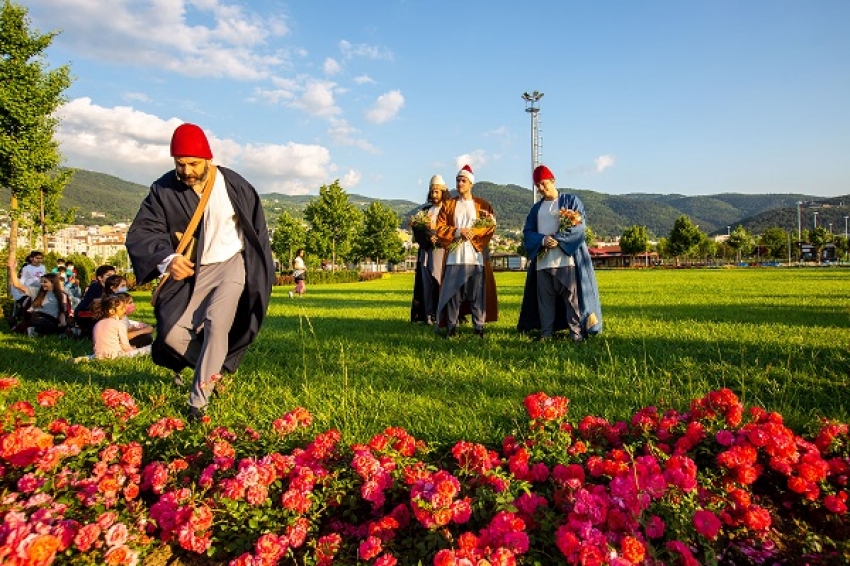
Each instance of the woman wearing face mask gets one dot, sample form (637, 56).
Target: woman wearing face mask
(139, 333)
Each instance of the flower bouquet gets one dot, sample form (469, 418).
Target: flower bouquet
(421, 220)
(484, 220)
(567, 218)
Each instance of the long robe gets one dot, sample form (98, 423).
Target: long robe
(481, 242)
(167, 209)
(572, 243)
(425, 258)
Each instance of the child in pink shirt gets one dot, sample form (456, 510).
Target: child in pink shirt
(110, 332)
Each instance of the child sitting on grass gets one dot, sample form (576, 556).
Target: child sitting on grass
(110, 332)
(139, 333)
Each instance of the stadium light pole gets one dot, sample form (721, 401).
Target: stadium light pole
(532, 106)
(816, 219)
(799, 222)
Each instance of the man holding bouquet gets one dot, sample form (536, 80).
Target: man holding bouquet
(560, 286)
(429, 260)
(465, 225)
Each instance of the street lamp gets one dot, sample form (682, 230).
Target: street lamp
(532, 106)
(799, 222)
(816, 219)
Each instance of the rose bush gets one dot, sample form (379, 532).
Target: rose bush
(718, 483)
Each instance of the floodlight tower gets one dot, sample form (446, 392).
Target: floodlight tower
(532, 106)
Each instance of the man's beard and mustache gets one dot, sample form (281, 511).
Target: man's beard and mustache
(193, 180)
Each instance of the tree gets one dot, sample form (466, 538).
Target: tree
(775, 239)
(29, 98)
(289, 236)
(378, 238)
(685, 238)
(333, 222)
(589, 237)
(634, 240)
(819, 237)
(741, 241)
(120, 260)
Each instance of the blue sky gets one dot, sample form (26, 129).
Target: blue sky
(695, 98)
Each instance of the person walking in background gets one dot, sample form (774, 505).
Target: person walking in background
(299, 274)
(560, 285)
(430, 257)
(465, 225)
(196, 302)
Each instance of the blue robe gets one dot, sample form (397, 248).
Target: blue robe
(572, 243)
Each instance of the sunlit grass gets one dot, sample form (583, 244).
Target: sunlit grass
(347, 353)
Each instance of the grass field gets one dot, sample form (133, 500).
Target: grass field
(777, 337)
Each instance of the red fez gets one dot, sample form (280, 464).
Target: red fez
(190, 141)
(541, 173)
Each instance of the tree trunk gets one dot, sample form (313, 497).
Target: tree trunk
(41, 220)
(13, 236)
(333, 255)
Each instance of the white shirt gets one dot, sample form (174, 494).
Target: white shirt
(222, 234)
(547, 224)
(465, 253)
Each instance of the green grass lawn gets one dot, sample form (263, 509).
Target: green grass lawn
(777, 337)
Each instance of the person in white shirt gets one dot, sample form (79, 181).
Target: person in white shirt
(468, 277)
(560, 287)
(231, 265)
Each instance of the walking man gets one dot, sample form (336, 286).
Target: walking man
(560, 286)
(465, 226)
(228, 269)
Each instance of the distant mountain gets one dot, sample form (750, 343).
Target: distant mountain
(608, 215)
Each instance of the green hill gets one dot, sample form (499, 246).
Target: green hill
(118, 200)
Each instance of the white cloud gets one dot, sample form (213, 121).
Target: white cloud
(351, 179)
(331, 67)
(386, 107)
(476, 159)
(318, 99)
(342, 133)
(134, 145)
(497, 132)
(350, 50)
(137, 96)
(603, 162)
(163, 34)
(364, 79)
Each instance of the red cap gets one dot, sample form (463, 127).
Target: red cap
(541, 172)
(190, 141)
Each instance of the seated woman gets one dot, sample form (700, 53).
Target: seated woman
(83, 311)
(48, 313)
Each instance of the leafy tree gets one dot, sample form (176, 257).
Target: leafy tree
(634, 240)
(708, 248)
(819, 237)
(741, 241)
(378, 238)
(29, 97)
(333, 222)
(775, 239)
(289, 235)
(685, 237)
(589, 237)
(662, 248)
(121, 261)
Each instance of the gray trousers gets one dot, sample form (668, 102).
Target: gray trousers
(555, 285)
(472, 289)
(200, 335)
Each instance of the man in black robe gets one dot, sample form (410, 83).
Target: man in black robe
(229, 271)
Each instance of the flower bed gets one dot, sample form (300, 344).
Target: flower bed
(717, 484)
